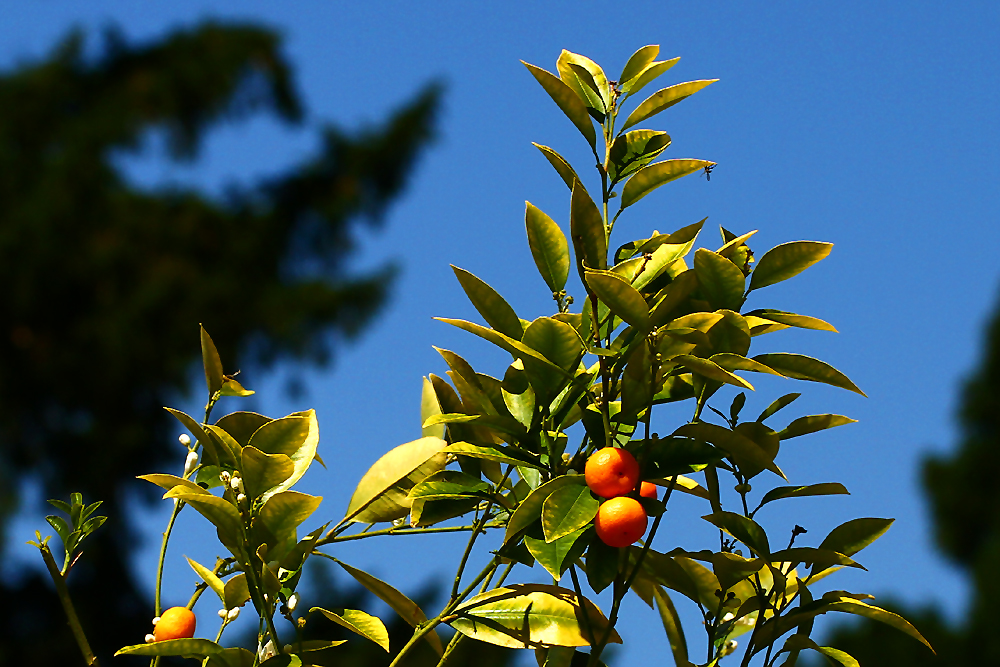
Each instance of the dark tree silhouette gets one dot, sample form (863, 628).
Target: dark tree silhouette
(105, 283)
(964, 499)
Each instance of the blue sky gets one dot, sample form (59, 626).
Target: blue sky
(870, 125)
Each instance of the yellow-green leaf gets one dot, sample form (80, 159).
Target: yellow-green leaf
(590, 239)
(721, 281)
(213, 365)
(429, 408)
(664, 99)
(638, 61)
(209, 578)
(236, 592)
(296, 436)
(633, 150)
(219, 511)
(284, 511)
(530, 508)
(786, 260)
(567, 510)
(812, 424)
(559, 163)
(548, 245)
(557, 555)
(801, 367)
(382, 493)
(792, 319)
(618, 295)
(567, 100)
(647, 74)
(852, 536)
(358, 622)
(530, 615)
(493, 307)
(671, 626)
(711, 370)
(189, 648)
(262, 472)
(168, 482)
(556, 341)
(654, 175)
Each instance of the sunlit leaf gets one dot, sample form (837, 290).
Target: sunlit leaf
(710, 370)
(284, 511)
(852, 536)
(498, 453)
(191, 648)
(209, 578)
(559, 163)
(633, 150)
(590, 240)
(530, 509)
(530, 615)
(799, 642)
(358, 622)
(262, 472)
(776, 405)
(654, 175)
(801, 367)
(745, 530)
(786, 260)
(812, 424)
(296, 436)
(638, 61)
(824, 489)
(721, 281)
(494, 309)
(236, 592)
(548, 245)
(170, 481)
(648, 73)
(382, 493)
(664, 99)
(213, 365)
(792, 320)
(220, 512)
(566, 510)
(559, 554)
(623, 299)
(429, 408)
(556, 341)
(449, 484)
(567, 100)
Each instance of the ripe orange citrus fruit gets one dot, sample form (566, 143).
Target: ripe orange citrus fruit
(611, 472)
(647, 490)
(620, 521)
(175, 623)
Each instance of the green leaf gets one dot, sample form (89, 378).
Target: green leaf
(786, 260)
(282, 660)
(168, 482)
(792, 320)
(236, 592)
(671, 626)
(209, 578)
(515, 347)
(498, 453)
(574, 68)
(745, 530)
(851, 537)
(745, 452)
(711, 370)
(189, 648)
(634, 150)
(231, 657)
(213, 365)
(494, 309)
(263, 472)
(407, 609)
(602, 565)
(220, 512)
(296, 436)
(557, 341)
(382, 493)
(530, 508)
(283, 512)
(429, 408)
(737, 362)
(590, 240)
(548, 245)
(648, 73)
(530, 615)
(822, 559)
(798, 642)
(801, 367)
(62, 529)
(664, 99)
(559, 554)
(242, 425)
(567, 510)
(859, 608)
(559, 163)
(358, 622)
(638, 61)
(567, 100)
(776, 405)
(450, 418)
(661, 259)
(449, 484)
(721, 281)
(212, 451)
(230, 387)
(676, 293)
(623, 299)
(654, 175)
(812, 424)
(824, 489)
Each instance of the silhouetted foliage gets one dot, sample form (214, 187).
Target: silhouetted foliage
(105, 283)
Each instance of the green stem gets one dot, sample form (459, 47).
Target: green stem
(67, 603)
(477, 529)
(329, 539)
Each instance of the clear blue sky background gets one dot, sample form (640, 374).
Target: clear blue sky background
(870, 125)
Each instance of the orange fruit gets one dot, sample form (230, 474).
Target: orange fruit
(647, 490)
(620, 521)
(611, 472)
(175, 623)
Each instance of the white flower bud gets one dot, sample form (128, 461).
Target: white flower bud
(155, 621)
(236, 484)
(265, 598)
(222, 613)
(184, 439)
(190, 463)
(224, 476)
(293, 601)
(232, 614)
(241, 499)
(150, 639)
(728, 617)
(265, 651)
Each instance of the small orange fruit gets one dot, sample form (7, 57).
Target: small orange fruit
(611, 472)
(647, 490)
(175, 623)
(620, 521)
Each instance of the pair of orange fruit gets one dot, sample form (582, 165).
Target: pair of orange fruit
(613, 474)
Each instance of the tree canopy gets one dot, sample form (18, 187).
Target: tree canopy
(106, 282)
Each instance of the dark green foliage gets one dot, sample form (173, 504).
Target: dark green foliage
(105, 284)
